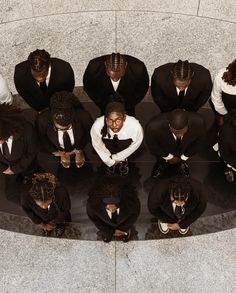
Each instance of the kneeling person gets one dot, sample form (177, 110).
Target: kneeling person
(47, 204)
(116, 136)
(177, 203)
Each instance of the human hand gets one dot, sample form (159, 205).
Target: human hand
(8, 171)
(119, 233)
(174, 226)
(174, 160)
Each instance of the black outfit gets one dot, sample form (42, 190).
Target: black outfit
(58, 213)
(160, 205)
(129, 208)
(38, 96)
(132, 87)
(21, 158)
(227, 143)
(164, 91)
(49, 143)
(161, 141)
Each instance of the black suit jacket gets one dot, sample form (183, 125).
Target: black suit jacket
(23, 152)
(49, 136)
(161, 142)
(164, 91)
(58, 213)
(160, 205)
(62, 78)
(132, 87)
(227, 143)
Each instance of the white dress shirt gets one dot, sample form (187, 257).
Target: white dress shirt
(5, 94)
(178, 90)
(60, 137)
(220, 86)
(131, 130)
(9, 144)
(110, 213)
(170, 156)
(115, 84)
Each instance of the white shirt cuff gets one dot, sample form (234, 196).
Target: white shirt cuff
(169, 157)
(184, 158)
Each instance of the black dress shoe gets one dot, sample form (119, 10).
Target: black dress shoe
(107, 237)
(124, 168)
(60, 229)
(229, 175)
(157, 170)
(126, 238)
(46, 233)
(184, 169)
(110, 170)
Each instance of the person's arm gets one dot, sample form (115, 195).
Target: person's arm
(64, 205)
(227, 145)
(216, 96)
(136, 134)
(30, 142)
(29, 211)
(5, 94)
(100, 147)
(142, 84)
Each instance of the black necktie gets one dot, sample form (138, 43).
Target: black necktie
(67, 142)
(178, 141)
(115, 140)
(181, 96)
(179, 211)
(114, 217)
(43, 86)
(5, 150)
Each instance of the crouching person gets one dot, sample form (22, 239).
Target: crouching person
(47, 204)
(114, 207)
(177, 203)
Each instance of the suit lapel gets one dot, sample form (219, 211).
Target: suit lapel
(53, 135)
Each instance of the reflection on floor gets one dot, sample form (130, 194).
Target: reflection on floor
(205, 167)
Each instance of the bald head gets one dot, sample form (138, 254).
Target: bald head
(178, 122)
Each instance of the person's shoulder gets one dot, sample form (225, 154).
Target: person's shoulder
(22, 67)
(97, 61)
(220, 73)
(59, 62)
(99, 122)
(199, 69)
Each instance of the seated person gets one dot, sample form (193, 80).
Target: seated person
(181, 85)
(114, 207)
(38, 78)
(18, 148)
(174, 137)
(47, 204)
(177, 203)
(115, 136)
(227, 144)
(63, 132)
(122, 74)
(5, 94)
(223, 95)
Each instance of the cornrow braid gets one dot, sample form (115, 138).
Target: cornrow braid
(229, 76)
(43, 186)
(182, 70)
(179, 188)
(115, 61)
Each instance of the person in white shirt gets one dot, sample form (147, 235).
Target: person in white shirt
(5, 94)
(115, 136)
(223, 95)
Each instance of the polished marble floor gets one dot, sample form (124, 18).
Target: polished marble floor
(205, 167)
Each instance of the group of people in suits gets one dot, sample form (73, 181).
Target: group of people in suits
(62, 128)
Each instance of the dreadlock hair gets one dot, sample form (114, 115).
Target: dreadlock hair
(180, 188)
(111, 107)
(178, 119)
(182, 70)
(43, 186)
(11, 121)
(229, 76)
(112, 187)
(62, 107)
(39, 60)
(115, 61)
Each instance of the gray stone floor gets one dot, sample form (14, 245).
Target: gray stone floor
(203, 263)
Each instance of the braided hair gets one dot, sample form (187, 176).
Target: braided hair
(39, 60)
(179, 188)
(229, 76)
(111, 107)
(115, 61)
(43, 186)
(11, 121)
(182, 70)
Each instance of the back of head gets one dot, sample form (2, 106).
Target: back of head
(230, 75)
(11, 121)
(115, 61)
(62, 107)
(39, 60)
(43, 186)
(179, 188)
(182, 70)
(178, 119)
